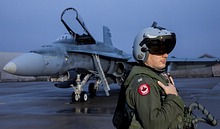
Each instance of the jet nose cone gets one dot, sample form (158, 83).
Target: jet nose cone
(10, 67)
(29, 64)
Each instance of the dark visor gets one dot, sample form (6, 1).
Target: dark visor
(160, 45)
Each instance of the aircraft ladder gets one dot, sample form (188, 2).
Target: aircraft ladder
(101, 73)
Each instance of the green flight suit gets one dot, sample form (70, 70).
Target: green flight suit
(154, 109)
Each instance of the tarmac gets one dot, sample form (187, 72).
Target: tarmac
(40, 105)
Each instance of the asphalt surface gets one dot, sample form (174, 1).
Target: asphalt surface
(40, 105)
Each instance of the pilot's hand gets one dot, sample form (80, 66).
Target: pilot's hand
(170, 89)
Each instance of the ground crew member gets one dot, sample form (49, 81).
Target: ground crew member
(151, 92)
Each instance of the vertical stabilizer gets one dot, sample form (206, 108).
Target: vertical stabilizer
(107, 35)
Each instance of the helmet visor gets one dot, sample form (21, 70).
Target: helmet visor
(161, 44)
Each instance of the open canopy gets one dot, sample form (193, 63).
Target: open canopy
(76, 27)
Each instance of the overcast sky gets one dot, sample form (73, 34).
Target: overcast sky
(29, 24)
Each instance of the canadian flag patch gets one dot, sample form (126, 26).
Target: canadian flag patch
(144, 89)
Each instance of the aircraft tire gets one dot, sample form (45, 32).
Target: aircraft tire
(92, 91)
(83, 96)
(75, 97)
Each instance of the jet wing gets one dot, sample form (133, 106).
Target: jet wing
(76, 27)
(192, 59)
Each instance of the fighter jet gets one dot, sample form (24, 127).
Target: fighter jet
(74, 59)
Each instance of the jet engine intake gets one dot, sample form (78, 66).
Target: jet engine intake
(119, 69)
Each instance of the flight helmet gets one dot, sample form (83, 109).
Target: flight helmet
(154, 40)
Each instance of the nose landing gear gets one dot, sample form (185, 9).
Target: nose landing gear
(79, 94)
(83, 97)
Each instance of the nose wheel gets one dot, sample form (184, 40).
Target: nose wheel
(83, 97)
(79, 94)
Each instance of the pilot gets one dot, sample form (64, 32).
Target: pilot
(151, 92)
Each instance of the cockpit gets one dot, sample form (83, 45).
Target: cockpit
(66, 38)
(76, 27)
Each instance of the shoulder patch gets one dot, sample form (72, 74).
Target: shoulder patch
(144, 89)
